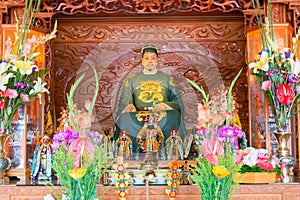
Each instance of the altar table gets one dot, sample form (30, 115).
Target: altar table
(275, 191)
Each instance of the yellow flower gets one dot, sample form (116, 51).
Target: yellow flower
(77, 173)
(220, 171)
(25, 67)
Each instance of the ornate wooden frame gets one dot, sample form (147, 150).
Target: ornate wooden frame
(283, 11)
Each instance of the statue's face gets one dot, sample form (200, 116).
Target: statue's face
(46, 140)
(150, 61)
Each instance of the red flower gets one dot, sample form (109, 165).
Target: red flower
(175, 175)
(122, 185)
(3, 101)
(174, 185)
(122, 194)
(265, 165)
(121, 176)
(2, 104)
(175, 166)
(173, 194)
(285, 94)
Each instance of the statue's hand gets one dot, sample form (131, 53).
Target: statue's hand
(161, 107)
(129, 108)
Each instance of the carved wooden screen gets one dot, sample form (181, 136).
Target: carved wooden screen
(206, 50)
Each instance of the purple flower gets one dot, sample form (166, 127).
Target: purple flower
(287, 54)
(21, 85)
(64, 137)
(259, 53)
(286, 73)
(292, 80)
(201, 133)
(230, 132)
(95, 137)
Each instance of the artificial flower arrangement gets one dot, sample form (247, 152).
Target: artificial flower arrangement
(218, 142)
(259, 160)
(173, 180)
(79, 158)
(121, 177)
(277, 71)
(21, 80)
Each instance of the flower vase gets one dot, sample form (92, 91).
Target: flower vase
(4, 162)
(285, 159)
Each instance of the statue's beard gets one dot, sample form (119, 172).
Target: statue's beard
(151, 67)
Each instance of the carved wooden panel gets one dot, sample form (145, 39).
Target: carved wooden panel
(207, 51)
(191, 192)
(138, 6)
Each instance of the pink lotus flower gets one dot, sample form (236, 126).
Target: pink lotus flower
(81, 147)
(211, 148)
(11, 93)
(213, 159)
(239, 157)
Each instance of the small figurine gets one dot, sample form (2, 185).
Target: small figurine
(174, 145)
(124, 145)
(108, 142)
(151, 138)
(42, 160)
(187, 144)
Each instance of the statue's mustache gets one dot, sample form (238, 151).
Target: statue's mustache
(150, 65)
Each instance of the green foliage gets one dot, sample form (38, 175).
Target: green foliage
(85, 187)
(255, 168)
(71, 103)
(211, 186)
(201, 90)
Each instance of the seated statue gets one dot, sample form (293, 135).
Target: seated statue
(42, 160)
(149, 91)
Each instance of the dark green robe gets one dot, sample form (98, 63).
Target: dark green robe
(144, 91)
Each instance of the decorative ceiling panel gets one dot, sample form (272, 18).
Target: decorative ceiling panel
(72, 7)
